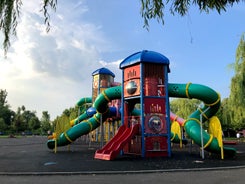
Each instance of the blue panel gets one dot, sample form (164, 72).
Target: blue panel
(144, 56)
(91, 111)
(103, 71)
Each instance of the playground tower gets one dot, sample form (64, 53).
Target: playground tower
(144, 86)
(103, 78)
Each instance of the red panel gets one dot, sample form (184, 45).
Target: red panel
(155, 123)
(155, 105)
(156, 146)
(131, 72)
(137, 84)
(151, 86)
(134, 146)
(126, 114)
(154, 80)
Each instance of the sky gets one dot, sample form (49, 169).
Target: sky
(53, 71)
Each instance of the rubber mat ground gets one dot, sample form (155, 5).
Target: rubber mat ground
(31, 155)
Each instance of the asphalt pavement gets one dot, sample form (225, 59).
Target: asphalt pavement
(28, 160)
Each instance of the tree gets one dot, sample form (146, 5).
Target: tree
(25, 120)
(22, 120)
(34, 124)
(5, 112)
(150, 9)
(184, 107)
(154, 9)
(3, 126)
(10, 12)
(224, 114)
(3, 97)
(74, 112)
(237, 88)
(45, 122)
(71, 113)
(31, 121)
(62, 122)
(19, 123)
(66, 112)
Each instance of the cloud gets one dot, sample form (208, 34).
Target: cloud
(70, 49)
(114, 67)
(52, 71)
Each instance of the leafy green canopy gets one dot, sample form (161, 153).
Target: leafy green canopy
(150, 9)
(154, 9)
(237, 95)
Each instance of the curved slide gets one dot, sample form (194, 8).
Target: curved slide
(84, 101)
(210, 98)
(192, 127)
(86, 126)
(87, 114)
(116, 144)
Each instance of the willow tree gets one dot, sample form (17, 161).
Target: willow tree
(9, 14)
(225, 115)
(237, 88)
(154, 9)
(150, 9)
(184, 107)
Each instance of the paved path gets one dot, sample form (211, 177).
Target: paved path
(233, 176)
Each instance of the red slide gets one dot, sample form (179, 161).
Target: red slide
(113, 147)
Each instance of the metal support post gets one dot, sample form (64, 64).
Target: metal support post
(201, 129)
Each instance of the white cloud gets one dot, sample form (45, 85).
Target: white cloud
(52, 71)
(113, 63)
(114, 67)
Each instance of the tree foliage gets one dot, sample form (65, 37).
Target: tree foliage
(45, 122)
(3, 97)
(34, 124)
(10, 12)
(19, 121)
(150, 9)
(6, 114)
(154, 9)
(184, 107)
(237, 88)
(66, 117)
(3, 125)
(224, 114)
(22, 120)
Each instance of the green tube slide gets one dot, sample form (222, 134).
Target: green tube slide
(192, 126)
(82, 104)
(82, 117)
(86, 126)
(85, 114)
(83, 101)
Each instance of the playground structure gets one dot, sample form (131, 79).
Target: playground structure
(141, 103)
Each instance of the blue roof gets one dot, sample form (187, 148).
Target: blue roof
(103, 71)
(144, 56)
